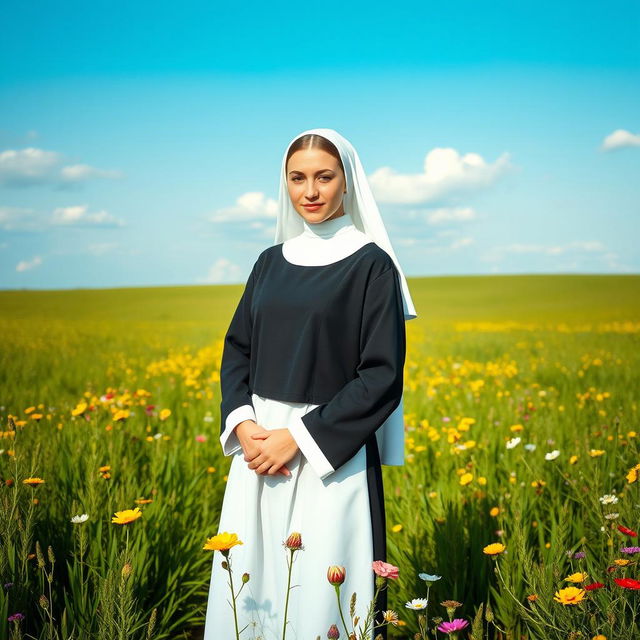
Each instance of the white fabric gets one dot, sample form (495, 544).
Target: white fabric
(334, 519)
(358, 202)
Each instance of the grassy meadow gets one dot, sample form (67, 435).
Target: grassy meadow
(521, 410)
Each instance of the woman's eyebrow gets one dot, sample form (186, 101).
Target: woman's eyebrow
(316, 173)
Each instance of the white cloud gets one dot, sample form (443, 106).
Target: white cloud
(78, 216)
(32, 166)
(620, 138)
(443, 215)
(20, 219)
(253, 205)
(26, 265)
(223, 271)
(445, 172)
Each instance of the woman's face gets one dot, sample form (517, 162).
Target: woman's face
(314, 177)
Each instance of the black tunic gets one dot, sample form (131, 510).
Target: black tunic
(332, 335)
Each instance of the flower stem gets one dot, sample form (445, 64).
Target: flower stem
(233, 596)
(337, 588)
(286, 602)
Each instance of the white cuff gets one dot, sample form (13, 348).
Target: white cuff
(310, 449)
(228, 438)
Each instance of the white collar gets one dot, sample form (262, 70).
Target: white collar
(328, 228)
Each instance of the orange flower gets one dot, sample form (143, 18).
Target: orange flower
(336, 575)
(33, 482)
(294, 541)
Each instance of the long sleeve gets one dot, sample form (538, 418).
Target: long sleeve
(332, 433)
(236, 405)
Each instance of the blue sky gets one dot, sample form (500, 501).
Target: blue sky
(140, 143)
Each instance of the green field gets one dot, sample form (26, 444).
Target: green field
(552, 360)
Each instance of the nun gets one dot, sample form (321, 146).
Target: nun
(311, 383)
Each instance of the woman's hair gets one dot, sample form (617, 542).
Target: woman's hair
(314, 141)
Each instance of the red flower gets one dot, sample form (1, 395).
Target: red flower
(611, 568)
(385, 570)
(629, 532)
(592, 586)
(336, 575)
(627, 583)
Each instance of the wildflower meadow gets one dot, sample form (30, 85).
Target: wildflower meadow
(516, 515)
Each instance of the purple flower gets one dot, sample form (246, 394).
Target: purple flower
(8, 585)
(630, 549)
(456, 624)
(15, 616)
(579, 554)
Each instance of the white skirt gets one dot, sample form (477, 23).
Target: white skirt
(337, 522)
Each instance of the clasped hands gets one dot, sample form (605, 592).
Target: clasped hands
(266, 450)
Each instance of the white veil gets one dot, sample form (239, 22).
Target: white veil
(358, 201)
(361, 206)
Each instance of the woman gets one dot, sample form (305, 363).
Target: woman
(311, 381)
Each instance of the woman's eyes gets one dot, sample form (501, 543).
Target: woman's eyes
(323, 178)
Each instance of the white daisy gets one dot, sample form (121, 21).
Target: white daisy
(514, 442)
(417, 603)
(608, 498)
(552, 455)
(78, 519)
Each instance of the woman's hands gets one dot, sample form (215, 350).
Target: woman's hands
(263, 452)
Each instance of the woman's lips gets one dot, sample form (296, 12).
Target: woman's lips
(312, 207)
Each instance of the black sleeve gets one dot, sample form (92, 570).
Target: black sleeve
(341, 426)
(236, 356)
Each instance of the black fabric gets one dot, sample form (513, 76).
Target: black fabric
(331, 335)
(378, 522)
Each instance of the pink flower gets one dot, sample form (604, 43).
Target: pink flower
(456, 624)
(385, 570)
(201, 438)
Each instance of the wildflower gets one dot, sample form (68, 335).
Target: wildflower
(576, 577)
(626, 531)
(201, 438)
(15, 616)
(417, 604)
(294, 541)
(33, 482)
(611, 516)
(608, 498)
(593, 586)
(569, 595)
(336, 575)
(164, 414)
(396, 528)
(126, 516)
(552, 455)
(451, 606)
(80, 409)
(457, 624)
(595, 453)
(514, 442)
(578, 555)
(632, 476)
(222, 542)
(385, 570)
(333, 633)
(466, 478)
(494, 548)
(494, 511)
(627, 583)
(530, 446)
(390, 617)
(621, 562)
(79, 519)
(428, 578)
(630, 550)
(532, 597)
(573, 459)
(599, 637)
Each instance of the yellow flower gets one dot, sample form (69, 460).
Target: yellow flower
(482, 481)
(494, 548)
(466, 478)
(573, 459)
(390, 617)
(532, 597)
(621, 562)
(32, 482)
(570, 595)
(396, 528)
(121, 414)
(80, 409)
(576, 577)
(494, 511)
(126, 516)
(595, 453)
(516, 427)
(106, 467)
(632, 476)
(164, 414)
(222, 542)
(599, 637)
